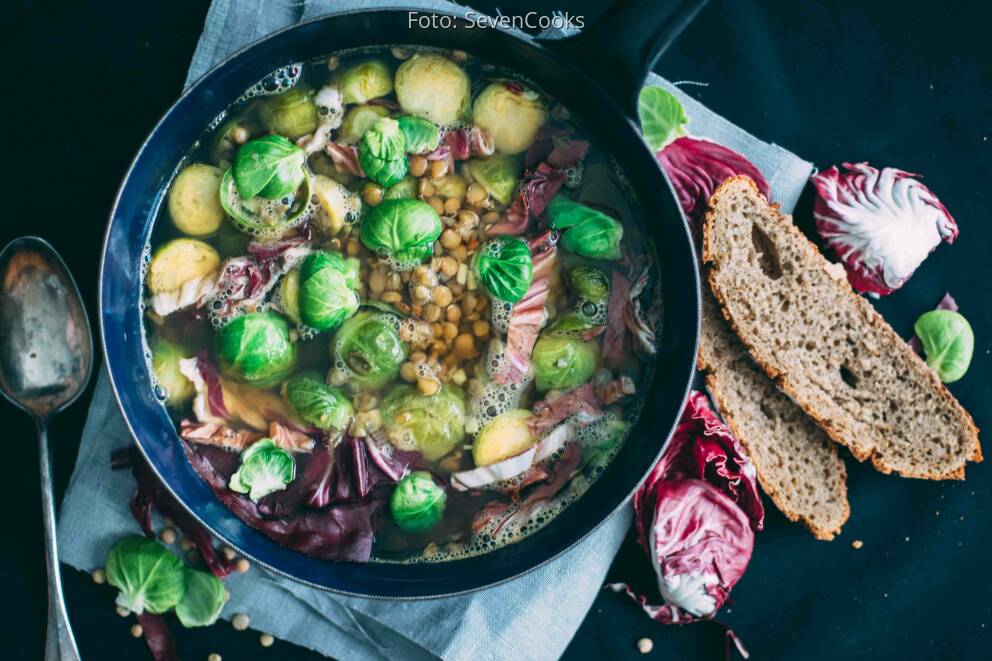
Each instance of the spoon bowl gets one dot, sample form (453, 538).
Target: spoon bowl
(46, 357)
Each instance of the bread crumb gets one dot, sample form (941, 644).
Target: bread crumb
(857, 543)
(645, 645)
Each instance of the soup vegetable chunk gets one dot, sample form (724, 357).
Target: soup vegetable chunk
(398, 307)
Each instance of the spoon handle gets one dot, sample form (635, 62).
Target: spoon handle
(59, 643)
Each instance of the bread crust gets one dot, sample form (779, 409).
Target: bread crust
(867, 312)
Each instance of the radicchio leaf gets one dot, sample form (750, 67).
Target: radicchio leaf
(536, 190)
(158, 637)
(696, 167)
(881, 224)
(615, 327)
(345, 158)
(580, 402)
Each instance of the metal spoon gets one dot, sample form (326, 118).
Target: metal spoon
(46, 356)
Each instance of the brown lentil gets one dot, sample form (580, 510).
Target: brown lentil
(353, 248)
(392, 297)
(437, 204)
(432, 311)
(490, 217)
(480, 328)
(393, 282)
(438, 168)
(452, 205)
(448, 265)
(453, 313)
(450, 331)
(428, 386)
(450, 239)
(464, 346)
(377, 282)
(459, 252)
(442, 296)
(372, 193)
(420, 294)
(239, 135)
(418, 166)
(408, 372)
(475, 194)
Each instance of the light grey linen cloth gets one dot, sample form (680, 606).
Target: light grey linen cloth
(531, 617)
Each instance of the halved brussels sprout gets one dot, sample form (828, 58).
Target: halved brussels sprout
(271, 168)
(165, 365)
(433, 87)
(255, 348)
(265, 468)
(364, 81)
(328, 282)
(203, 600)
(562, 363)
(592, 292)
(432, 425)
(405, 189)
(422, 136)
(587, 232)
(382, 153)
(404, 230)
(368, 351)
(417, 504)
(336, 205)
(194, 200)
(261, 217)
(511, 113)
(505, 436)
(179, 262)
(505, 268)
(498, 174)
(357, 121)
(292, 113)
(149, 576)
(289, 295)
(320, 405)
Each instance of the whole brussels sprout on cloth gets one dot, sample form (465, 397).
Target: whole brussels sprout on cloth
(432, 425)
(319, 404)
(367, 351)
(148, 575)
(291, 114)
(364, 81)
(511, 113)
(327, 295)
(255, 348)
(265, 468)
(382, 153)
(948, 342)
(586, 232)
(562, 363)
(203, 600)
(403, 230)
(433, 87)
(417, 503)
(505, 267)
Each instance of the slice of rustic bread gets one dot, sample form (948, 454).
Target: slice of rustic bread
(825, 346)
(797, 464)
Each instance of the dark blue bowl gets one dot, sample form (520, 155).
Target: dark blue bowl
(142, 193)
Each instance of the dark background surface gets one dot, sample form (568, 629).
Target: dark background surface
(83, 83)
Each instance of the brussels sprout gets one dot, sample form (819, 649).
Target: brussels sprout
(948, 343)
(149, 577)
(265, 468)
(589, 283)
(319, 404)
(382, 153)
(364, 81)
(194, 200)
(562, 363)
(662, 117)
(178, 262)
(357, 121)
(368, 350)
(262, 217)
(511, 113)
(292, 113)
(587, 232)
(289, 295)
(505, 436)
(405, 189)
(404, 230)
(422, 136)
(255, 348)
(336, 205)
(417, 503)
(203, 600)
(328, 282)
(432, 425)
(505, 268)
(165, 365)
(269, 167)
(592, 292)
(433, 87)
(498, 174)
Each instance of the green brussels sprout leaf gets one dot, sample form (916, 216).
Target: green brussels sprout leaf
(320, 405)
(404, 230)
(291, 114)
(265, 468)
(417, 503)
(365, 81)
(563, 363)
(587, 232)
(270, 167)
(258, 216)
(662, 117)
(422, 136)
(368, 351)
(498, 174)
(505, 268)
(382, 153)
(948, 343)
(432, 425)
(328, 282)
(203, 600)
(148, 575)
(255, 348)
(405, 189)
